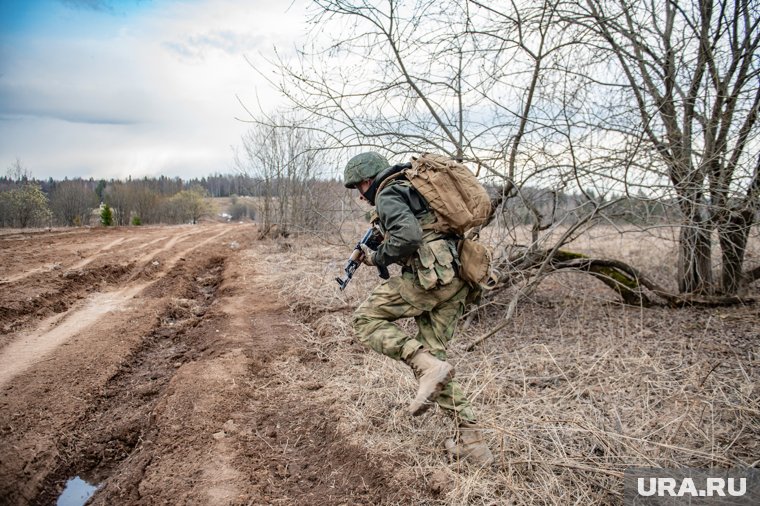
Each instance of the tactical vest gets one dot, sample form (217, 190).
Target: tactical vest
(436, 261)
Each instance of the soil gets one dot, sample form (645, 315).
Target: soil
(155, 363)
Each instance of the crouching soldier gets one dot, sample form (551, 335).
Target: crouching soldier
(429, 290)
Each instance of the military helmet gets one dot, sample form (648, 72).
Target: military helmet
(363, 166)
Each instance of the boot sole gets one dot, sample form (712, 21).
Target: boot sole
(422, 408)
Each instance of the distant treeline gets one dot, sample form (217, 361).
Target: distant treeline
(535, 205)
(27, 202)
(217, 185)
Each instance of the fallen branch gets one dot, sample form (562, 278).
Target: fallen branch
(626, 280)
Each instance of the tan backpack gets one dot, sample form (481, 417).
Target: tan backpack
(460, 203)
(451, 190)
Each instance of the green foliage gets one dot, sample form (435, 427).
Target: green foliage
(136, 221)
(100, 188)
(26, 206)
(189, 206)
(106, 216)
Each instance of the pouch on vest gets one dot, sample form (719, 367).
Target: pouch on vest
(435, 264)
(475, 261)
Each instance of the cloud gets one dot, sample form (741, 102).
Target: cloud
(196, 46)
(104, 6)
(95, 5)
(67, 116)
(73, 106)
(88, 91)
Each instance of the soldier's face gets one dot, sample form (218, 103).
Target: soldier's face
(363, 187)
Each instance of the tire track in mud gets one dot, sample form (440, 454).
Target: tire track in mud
(171, 242)
(119, 246)
(61, 294)
(24, 235)
(75, 283)
(241, 424)
(54, 250)
(119, 420)
(26, 274)
(172, 260)
(108, 247)
(169, 287)
(26, 350)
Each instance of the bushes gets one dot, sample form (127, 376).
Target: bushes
(188, 206)
(25, 206)
(240, 210)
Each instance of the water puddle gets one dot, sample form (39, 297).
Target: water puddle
(76, 492)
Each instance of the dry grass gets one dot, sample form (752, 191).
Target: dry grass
(577, 389)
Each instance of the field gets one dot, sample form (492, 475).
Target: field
(198, 365)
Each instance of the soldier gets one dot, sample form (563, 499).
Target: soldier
(428, 290)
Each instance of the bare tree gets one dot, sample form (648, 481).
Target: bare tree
(72, 202)
(117, 195)
(145, 202)
(286, 164)
(627, 106)
(478, 82)
(17, 172)
(688, 89)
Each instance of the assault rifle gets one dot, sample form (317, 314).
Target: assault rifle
(372, 239)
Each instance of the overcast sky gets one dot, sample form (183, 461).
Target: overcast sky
(112, 88)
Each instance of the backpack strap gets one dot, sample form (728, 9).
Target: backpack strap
(379, 182)
(435, 225)
(387, 180)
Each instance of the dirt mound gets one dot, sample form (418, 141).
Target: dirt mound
(44, 294)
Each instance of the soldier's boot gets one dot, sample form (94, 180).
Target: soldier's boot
(433, 375)
(470, 445)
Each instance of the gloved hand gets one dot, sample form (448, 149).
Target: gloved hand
(369, 255)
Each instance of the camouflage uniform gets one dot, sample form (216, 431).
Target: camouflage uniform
(429, 289)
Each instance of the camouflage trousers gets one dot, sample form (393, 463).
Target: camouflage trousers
(436, 312)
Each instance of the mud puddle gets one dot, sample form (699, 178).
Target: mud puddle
(76, 492)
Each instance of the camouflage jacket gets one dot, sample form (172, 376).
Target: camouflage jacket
(402, 214)
(399, 212)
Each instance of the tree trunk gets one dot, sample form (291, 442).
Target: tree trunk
(694, 258)
(733, 243)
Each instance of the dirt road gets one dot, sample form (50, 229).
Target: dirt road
(154, 362)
